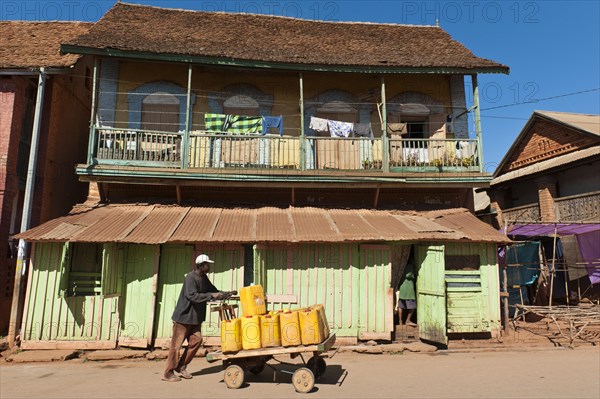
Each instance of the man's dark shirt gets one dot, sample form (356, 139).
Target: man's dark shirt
(191, 305)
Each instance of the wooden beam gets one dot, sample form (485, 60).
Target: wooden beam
(293, 196)
(178, 193)
(376, 201)
(102, 189)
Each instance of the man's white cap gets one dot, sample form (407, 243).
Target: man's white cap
(203, 259)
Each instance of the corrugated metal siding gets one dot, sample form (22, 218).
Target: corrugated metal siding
(48, 316)
(376, 295)
(235, 225)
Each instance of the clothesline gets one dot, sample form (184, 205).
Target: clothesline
(339, 128)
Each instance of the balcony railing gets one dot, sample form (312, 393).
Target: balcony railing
(578, 208)
(227, 151)
(525, 213)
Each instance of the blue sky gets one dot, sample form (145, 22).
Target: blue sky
(551, 47)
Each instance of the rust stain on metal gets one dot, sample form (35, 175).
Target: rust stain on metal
(150, 224)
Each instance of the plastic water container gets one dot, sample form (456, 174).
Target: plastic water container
(311, 327)
(231, 335)
(252, 299)
(321, 310)
(270, 333)
(251, 332)
(290, 328)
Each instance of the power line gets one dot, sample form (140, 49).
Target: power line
(541, 99)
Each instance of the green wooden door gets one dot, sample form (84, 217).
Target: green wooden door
(431, 293)
(175, 263)
(376, 304)
(138, 296)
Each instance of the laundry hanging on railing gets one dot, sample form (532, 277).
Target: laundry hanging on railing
(235, 124)
(318, 124)
(214, 122)
(269, 122)
(340, 129)
(363, 130)
(397, 128)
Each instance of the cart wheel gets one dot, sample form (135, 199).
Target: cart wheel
(234, 376)
(257, 369)
(303, 380)
(317, 365)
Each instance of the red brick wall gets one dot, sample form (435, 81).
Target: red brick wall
(12, 108)
(547, 193)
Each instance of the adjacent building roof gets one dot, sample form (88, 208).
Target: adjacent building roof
(155, 224)
(37, 44)
(585, 124)
(273, 39)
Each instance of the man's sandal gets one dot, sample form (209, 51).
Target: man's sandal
(172, 378)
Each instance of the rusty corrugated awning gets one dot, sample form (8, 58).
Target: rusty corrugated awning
(159, 224)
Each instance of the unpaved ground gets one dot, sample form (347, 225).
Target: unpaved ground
(555, 373)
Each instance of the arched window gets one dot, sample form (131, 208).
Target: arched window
(160, 111)
(416, 117)
(338, 111)
(241, 105)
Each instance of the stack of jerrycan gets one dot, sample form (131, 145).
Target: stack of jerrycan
(258, 329)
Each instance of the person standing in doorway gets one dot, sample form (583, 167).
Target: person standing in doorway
(188, 316)
(407, 296)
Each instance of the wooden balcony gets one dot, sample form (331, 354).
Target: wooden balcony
(578, 208)
(216, 153)
(575, 208)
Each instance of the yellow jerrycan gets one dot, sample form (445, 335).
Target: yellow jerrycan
(290, 328)
(252, 299)
(270, 332)
(251, 332)
(231, 335)
(311, 327)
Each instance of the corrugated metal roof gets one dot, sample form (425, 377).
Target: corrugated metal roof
(547, 164)
(198, 225)
(588, 122)
(151, 224)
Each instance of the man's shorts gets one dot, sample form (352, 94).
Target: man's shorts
(407, 304)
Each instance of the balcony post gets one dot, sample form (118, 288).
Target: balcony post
(302, 133)
(93, 111)
(384, 140)
(185, 142)
(477, 122)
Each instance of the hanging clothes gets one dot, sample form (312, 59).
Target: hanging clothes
(241, 124)
(363, 130)
(397, 128)
(269, 122)
(340, 129)
(214, 122)
(318, 124)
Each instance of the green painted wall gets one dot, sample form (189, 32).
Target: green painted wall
(50, 316)
(351, 281)
(474, 309)
(140, 264)
(176, 261)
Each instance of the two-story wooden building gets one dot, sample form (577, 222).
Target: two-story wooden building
(311, 157)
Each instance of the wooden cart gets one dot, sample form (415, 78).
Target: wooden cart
(255, 360)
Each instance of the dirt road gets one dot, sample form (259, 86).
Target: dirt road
(519, 374)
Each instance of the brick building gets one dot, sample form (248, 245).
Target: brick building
(25, 48)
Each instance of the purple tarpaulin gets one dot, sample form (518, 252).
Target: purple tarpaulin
(547, 229)
(587, 234)
(589, 247)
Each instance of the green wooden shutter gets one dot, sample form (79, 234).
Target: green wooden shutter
(65, 267)
(113, 260)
